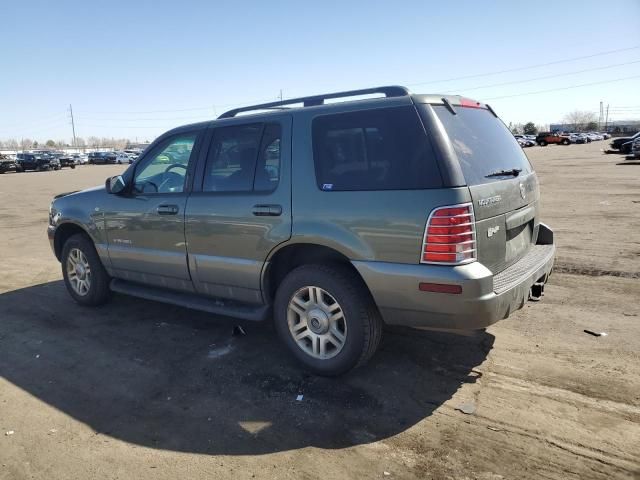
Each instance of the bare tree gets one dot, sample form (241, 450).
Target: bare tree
(11, 144)
(26, 143)
(579, 119)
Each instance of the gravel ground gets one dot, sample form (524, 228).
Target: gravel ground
(140, 390)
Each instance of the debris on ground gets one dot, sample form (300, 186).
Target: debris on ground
(386, 474)
(238, 331)
(467, 408)
(630, 314)
(299, 398)
(595, 334)
(10, 432)
(494, 429)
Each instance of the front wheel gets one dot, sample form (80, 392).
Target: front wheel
(327, 318)
(84, 275)
(542, 143)
(566, 142)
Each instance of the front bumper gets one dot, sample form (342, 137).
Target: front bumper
(485, 298)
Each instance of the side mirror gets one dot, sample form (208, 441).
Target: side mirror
(115, 184)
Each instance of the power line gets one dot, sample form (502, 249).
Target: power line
(564, 88)
(547, 76)
(212, 107)
(129, 119)
(518, 69)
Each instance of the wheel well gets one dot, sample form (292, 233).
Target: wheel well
(63, 233)
(293, 256)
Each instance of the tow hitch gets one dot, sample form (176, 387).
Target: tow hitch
(537, 290)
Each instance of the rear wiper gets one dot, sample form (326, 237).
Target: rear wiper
(514, 172)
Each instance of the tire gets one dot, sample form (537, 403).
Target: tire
(98, 291)
(360, 325)
(565, 142)
(543, 143)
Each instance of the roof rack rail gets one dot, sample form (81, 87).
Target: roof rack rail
(390, 91)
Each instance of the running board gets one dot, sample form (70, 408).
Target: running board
(244, 311)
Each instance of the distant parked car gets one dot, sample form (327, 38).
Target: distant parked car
(525, 141)
(33, 161)
(7, 164)
(577, 138)
(122, 157)
(65, 160)
(624, 143)
(545, 138)
(102, 158)
(80, 159)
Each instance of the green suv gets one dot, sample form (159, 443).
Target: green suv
(331, 218)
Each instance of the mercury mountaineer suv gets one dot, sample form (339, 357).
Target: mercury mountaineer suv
(329, 218)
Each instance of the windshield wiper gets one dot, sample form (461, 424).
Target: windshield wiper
(514, 172)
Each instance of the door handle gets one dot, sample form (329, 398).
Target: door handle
(267, 210)
(167, 209)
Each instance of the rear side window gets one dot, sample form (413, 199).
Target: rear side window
(380, 149)
(482, 143)
(244, 158)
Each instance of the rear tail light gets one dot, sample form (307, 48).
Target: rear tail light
(450, 236)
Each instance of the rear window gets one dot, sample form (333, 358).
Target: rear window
(482, 143)
(380, 149)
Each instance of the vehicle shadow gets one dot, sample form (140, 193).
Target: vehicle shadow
(170, 378)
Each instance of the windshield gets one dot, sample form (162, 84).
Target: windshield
(482, 143)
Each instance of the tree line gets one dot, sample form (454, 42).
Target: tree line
(89, 142)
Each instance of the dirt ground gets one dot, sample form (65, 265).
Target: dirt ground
(140, 390)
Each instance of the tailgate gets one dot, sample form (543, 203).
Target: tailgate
(502, 184)
(506, 215)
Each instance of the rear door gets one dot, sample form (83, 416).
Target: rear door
(241, 208)
(505, 204)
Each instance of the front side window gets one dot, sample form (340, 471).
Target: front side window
(380, 149)
(165, 170)
(244, 158)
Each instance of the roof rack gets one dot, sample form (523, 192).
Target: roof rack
(391, 91)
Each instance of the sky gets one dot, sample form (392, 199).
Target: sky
(135, 69)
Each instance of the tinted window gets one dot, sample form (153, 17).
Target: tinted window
(482, 143)
(164, 170)
(244, 158)
(268, 167)
(381, 149)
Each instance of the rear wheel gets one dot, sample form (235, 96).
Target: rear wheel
(84, 275)
(327, 318)
(565, 142)
(542, 143)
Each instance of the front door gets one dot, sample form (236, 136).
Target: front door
(241, 208)
(145, 228)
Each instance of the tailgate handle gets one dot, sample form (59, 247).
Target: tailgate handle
(520, 217)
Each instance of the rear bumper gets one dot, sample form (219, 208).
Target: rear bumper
(485, 298)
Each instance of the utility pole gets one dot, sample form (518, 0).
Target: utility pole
(280, 94)
(600, 116)
(73, 126)
(606, 121)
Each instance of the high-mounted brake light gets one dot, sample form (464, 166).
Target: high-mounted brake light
(450, 236)
(467, 102)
